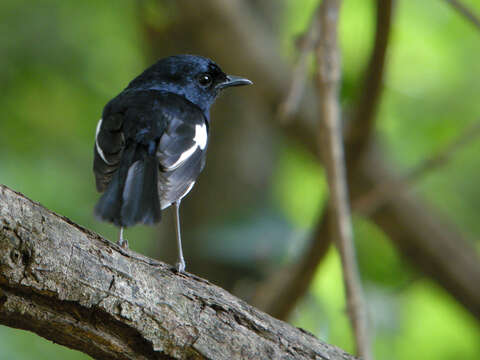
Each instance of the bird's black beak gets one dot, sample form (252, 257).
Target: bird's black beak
(233, 80)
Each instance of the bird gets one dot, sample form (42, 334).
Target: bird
(151, 141)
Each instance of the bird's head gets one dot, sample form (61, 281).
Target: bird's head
(198, 79)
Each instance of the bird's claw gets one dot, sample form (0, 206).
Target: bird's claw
(122, 241)
(180, 266)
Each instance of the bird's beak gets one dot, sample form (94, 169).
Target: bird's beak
(233, 80)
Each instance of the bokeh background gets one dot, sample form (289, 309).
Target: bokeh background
(255, 222)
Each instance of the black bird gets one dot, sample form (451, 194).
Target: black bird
(151, 142)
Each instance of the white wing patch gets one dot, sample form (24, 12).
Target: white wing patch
(200, 140)
(99, 150)
(201, 136)
(183, 157)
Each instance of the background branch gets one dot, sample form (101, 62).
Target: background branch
(410, 238)
(370, 201)
(282, 290)
(307, 43)
(331, 145)
(463, 10)
(296, 284)
(424, 238)
(71, 286)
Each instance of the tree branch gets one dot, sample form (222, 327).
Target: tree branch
(308, 41)
(69, 285)
(423, 237)
(280, 293)
(465, 12)
(377, 196)
(331, 145)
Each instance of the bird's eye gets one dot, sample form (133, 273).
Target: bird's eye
(204, 80)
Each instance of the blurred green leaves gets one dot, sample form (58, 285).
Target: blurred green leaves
(439, 327)
(300, 187)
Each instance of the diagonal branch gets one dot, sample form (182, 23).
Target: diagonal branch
(466, 12)
(330, 141)
(289, 105)
(370, 201)
(69, 285)
(424, 238)
(281, 292)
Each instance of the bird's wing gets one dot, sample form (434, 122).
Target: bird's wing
(109, 146)
(178, 126)
(184, 136)
(130, 117)
(181, 152)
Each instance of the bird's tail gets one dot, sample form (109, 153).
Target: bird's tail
(132, 195)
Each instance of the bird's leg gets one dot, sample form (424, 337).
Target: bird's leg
(181, 260)
(121, 240)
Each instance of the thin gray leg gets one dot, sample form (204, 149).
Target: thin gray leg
(121, 240)
(181, 260)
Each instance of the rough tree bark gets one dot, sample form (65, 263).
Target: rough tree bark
(69, 285)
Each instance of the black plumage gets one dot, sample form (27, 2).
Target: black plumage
(151, 141)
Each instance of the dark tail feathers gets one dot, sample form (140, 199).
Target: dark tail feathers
(132, 195)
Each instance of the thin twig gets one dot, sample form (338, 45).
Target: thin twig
(372, 200)
(466, 12)
(330, 138)
(308, 41)
(283, 299)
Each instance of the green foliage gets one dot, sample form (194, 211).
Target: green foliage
(379, 261)
(300, 187)
(431, 317)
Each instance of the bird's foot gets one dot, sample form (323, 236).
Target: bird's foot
(123, 243)
(181, 266)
